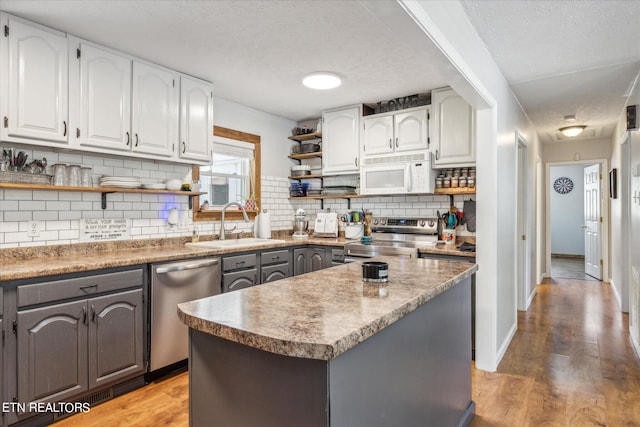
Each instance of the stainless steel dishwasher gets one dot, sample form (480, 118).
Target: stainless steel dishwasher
(172, 284)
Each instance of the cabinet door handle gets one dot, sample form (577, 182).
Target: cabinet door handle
(396, 142)
(93, 313)
(391, 143)
(437, 155)
(184, 147)
(356, 162)
(128, 139)
(77, 132)
(64, 132)
(275, 258)
(84, 315)
(137, 141)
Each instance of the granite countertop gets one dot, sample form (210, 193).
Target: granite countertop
(25, 263)
(322, 314)
(40, 261)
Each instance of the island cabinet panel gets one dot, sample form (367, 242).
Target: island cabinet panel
(253, 388)
(274, 265)
(415, 372)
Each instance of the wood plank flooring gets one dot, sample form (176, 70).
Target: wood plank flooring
(569, 364)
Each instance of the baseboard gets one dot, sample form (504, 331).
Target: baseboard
(543, 276)
(570, 256)
(505, 344)
(615, 293)
(531, 297)
(636, 345)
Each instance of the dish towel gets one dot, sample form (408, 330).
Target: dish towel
(469, 210)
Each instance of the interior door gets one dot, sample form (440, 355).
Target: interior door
(592, 221)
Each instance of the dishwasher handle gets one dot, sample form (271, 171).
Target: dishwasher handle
(182, 267)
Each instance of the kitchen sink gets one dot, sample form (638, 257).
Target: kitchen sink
(235, 243)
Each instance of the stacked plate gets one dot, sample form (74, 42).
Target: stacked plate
(157, 186)
(120, 181)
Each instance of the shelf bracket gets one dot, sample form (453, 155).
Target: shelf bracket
(191, 202)
(321, 204)
(348, 203)
(104, 199)
(451, 200)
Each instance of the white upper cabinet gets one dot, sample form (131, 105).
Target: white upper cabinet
(122, 105)
(341, 140)
(453, 129)
(407, 130)
(378, 135)
(196, 119)
(101, 98)
(154, 110)
(411, 130)
(34, 77)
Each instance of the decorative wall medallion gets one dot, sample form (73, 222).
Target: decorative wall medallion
(563, 185)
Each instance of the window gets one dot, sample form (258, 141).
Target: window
(233, 176)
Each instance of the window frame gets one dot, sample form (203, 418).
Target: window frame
(230, 214)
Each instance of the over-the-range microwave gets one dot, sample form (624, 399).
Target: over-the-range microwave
(405, 174)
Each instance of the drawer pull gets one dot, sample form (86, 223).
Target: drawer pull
(88, 287)
(275, 259)
(240, 264)
(93, 313)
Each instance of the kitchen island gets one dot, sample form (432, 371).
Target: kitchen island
(327, 349)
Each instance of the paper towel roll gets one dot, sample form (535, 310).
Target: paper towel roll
(263, 225)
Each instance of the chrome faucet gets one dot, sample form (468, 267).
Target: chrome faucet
(221, 236)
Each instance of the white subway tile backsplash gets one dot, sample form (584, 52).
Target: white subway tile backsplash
(58, 225)
(18, 216)
(69, 195)
(54, 206)
(64, 215)
(46, 215)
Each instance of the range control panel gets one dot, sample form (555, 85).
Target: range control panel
(405, 225)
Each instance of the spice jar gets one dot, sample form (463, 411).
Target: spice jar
(471, 181)
(462, 181)
(455, 181)
(446, 182)
(438, 182)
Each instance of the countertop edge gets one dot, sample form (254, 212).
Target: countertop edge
(319, 351)
(128, 257)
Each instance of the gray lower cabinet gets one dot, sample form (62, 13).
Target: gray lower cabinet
(317, 259)
(274, 265)
(239, 272)
(65, 349)
(299, 261)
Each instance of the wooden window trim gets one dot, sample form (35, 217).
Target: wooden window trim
(231, 214)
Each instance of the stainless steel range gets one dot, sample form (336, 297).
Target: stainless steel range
(395, 236)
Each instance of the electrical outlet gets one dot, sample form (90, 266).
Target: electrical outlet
(33, 229)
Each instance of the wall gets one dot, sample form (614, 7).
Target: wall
(476, 76)
(58, 212)
(567, 212)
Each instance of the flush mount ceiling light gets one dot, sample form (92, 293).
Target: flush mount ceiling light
(321, 80)
(573, 130)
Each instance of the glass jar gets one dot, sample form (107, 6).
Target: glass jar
(471, 181)
(59, 174)
(455, 182)
(463, 182)
(86, 177)
(446, 182)
(72, 178)
(439, 182)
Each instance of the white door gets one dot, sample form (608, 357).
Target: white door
(196, 119)
(105, 99)
(340, 141)
(378, 135)
(592, 221)
(411, 131)
(154, 110)
(37, 84)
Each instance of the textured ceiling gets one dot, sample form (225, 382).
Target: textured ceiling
(560, 57)
(564, 57)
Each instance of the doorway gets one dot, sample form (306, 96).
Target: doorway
(566, 222)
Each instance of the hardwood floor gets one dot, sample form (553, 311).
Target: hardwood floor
(569, 364)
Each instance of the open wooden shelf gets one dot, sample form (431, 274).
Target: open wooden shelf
(454, 191)
(323, 197)
(306, 137)
(103, 190)
(303, 156)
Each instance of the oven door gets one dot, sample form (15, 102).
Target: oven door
(385, 179)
